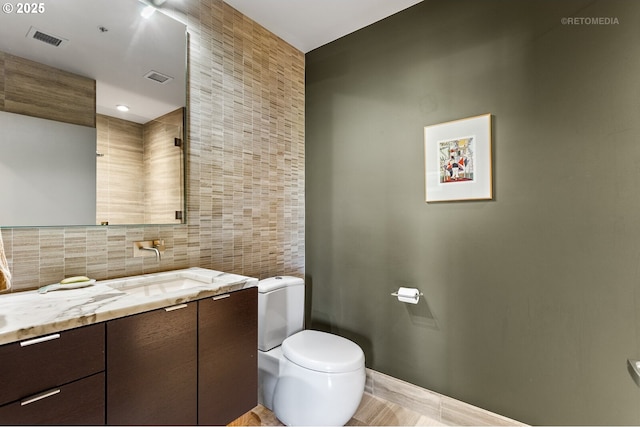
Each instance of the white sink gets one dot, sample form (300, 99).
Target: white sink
(158, 285)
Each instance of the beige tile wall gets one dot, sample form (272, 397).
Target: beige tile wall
(245, 173)
(140, 174)
(120, 171)
(37, 90)
(163, 169)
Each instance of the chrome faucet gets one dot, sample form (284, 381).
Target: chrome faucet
(157, 246)
(153, 248)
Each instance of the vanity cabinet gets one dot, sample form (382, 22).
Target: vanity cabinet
(188, 364)
(152, 367)
(227, 354)
(54, 379)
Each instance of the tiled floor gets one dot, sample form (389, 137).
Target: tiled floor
(389, 401)
(372, 412)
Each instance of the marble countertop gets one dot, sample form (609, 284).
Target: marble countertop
(31, 314)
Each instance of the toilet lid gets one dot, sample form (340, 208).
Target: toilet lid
(323, 352)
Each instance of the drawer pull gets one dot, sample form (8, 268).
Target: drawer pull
(218, 297)
(39, 397)
(39, 340)
(175, 307)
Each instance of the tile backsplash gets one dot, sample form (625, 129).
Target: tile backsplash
(245, 169)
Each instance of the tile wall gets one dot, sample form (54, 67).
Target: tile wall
(119, 171)
(163, 173)
(59, 95)
(245, 169)
(140, 170)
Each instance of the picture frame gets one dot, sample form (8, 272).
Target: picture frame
(458, 160)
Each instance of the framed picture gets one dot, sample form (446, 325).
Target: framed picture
(457, 157)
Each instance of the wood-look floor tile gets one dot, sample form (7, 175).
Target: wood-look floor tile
(371, 412)
(258, 416)
(374, 411)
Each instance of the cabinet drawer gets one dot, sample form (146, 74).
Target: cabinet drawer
(78, 403)
(31, 366)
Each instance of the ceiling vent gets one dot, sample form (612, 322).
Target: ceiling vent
(49, 39)
(158, 77)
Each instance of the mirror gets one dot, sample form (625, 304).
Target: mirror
(67, 155)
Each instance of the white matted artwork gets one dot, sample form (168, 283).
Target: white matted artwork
(457, 158)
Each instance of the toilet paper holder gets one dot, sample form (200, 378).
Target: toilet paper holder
(395, 294)
(408, 295)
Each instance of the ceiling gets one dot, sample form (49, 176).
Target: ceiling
(305, 24)
(118, 57)
(309, 24)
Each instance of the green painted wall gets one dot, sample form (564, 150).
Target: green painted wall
(531, 300)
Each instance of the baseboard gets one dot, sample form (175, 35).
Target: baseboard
(441, 408)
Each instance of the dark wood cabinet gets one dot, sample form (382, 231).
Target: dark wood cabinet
(227, 354)
(188, 364)
(78, 403)
(54, 379)
(152, 367)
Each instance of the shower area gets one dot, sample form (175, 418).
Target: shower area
(140, 170)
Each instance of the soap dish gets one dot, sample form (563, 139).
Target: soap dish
(60, 286)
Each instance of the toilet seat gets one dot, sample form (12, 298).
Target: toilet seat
(323, 352)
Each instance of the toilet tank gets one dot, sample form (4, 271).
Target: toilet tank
(280, 310)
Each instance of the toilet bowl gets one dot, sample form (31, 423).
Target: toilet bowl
(321, 380)
(305, 377)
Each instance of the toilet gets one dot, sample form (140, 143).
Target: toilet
(305, 377)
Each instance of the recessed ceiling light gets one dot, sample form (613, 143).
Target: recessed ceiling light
(122, 108)
(147, 12)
